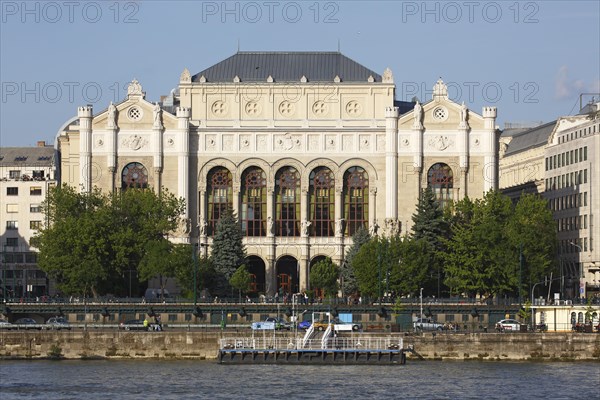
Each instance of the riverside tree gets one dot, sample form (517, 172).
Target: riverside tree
(349, 284)
(324, 275)
(92, 241)
(227, 252)
(241, 280)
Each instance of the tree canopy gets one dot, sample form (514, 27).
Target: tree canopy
(227, 252)
(93, 240)
(324, 276)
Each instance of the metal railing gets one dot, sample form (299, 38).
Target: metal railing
(334, 343)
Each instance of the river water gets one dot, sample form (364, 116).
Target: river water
(209, 380)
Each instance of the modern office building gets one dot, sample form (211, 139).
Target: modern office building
(306, 147)
(26, 173)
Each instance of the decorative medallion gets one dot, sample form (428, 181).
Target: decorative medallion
(134, 142)
(219, 108)
(440, 142)
(353, 108)
(286, 108)
(319, 108)
(252, 108)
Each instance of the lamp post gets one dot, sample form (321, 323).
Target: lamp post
(421, 298)
(195, 257)
(581, 280)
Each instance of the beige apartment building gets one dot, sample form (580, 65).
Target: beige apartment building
(306, 147)
(26, 173)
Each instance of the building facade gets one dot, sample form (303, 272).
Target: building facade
(560, 161)
(306, 148)
(26, 174)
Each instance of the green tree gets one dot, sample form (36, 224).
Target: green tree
(228, 251)
(324, 276)
(91, 240)
(430, 225)
(360, 237)
(241, 280)
(480, 259)
(376, 266)
(532, 227)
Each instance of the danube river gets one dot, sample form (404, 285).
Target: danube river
(208, 380)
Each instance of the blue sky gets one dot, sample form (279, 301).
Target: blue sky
(531, 59)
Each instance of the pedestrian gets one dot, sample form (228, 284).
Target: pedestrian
(146, 323)
(157, 323)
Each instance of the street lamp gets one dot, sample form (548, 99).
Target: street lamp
(581, 282)
(421, 297)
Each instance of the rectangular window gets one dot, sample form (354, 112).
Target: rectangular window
(12, 191)
(576, 156)
(12, 242)
(35, 208)
(585, 221)
(562, 159)
(35, 191)
(584, 244)
(585, 153)
(31, 258)
(12, 225)
(585, 199)
(585, 176)
(14, 174)
(546, 163)
(35, 225)
(571, 156)
(172, 317)
(12, 208)
(38, 175)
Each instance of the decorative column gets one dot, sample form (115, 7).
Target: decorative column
(237, 188)
(489, 149)
(463, 149)
(417, 144)
(111, 143)
(270, 273)
(85, 148)
(391, 162)
(157, 146)
(339, 211)
(183, 151)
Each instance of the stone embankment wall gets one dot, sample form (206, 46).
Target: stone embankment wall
(204, 345)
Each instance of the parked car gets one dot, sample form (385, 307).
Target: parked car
(427, 324)
(57, 323)
(27, 323)
(338, 325)
(304, 325)
(508, 325)
(133, 325)
(4, 324)
(280, 323)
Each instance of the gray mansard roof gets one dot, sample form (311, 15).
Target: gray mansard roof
(287, 67)
(530, 138)
(42, 156)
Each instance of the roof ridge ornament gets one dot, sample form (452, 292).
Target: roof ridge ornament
(134, 90)
(185, 76)
(337, 79)
(440, 90)
(387, 76)
(270, 79)
(303, 79)
(202, 79)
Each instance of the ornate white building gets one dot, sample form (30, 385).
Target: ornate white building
(305, 147)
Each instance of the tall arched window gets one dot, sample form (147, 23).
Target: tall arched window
(287, 190)
(134, 175)
(441, 182)
(254, 202)
(220, 196)
(356, 199)
(322, 201)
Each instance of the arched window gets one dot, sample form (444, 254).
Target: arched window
(134, 175)
(356, 199)
(254, 202)
(287, 190)
(441, 182)
(322, 201)
(220, 196)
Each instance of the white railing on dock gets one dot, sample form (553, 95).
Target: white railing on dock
(333, 343)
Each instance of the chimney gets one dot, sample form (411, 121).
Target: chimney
(41, 143)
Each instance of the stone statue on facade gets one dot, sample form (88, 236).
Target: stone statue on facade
(374, 228)
(183, 226)
(202, 227)
(418, 115)
(339, 227)
(464, 112)
(270, 226)
(111, 121)
(157, 112)
(304, 226)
